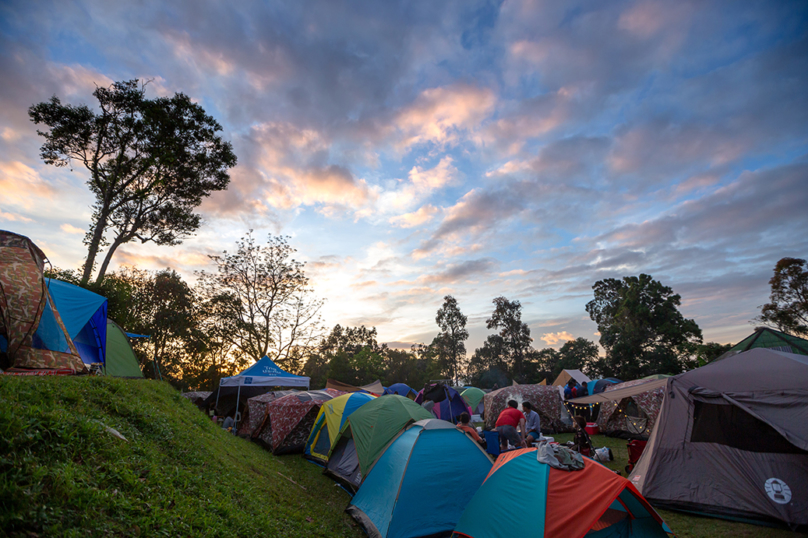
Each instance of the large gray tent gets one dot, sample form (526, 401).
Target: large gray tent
(732, 440)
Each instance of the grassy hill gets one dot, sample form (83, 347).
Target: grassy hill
(62, 473)
(176, 474)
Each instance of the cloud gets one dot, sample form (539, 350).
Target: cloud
(410, 220)
(70, 229)
(13, 217)
(440, 115)
(460, 271)
(22, 186)
(552, 339)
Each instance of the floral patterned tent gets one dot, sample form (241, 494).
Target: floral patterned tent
(289, 419)
(256, 412)
(546, 400)
(634, 414)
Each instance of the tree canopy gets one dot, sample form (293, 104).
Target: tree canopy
(451, 341)
(151, 163)
(641, 328)
(787, 308)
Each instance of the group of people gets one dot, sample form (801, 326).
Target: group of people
(522, 429)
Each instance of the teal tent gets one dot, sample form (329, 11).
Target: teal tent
(84, 315)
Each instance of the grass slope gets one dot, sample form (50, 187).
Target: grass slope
(684, 525)
(177, 474)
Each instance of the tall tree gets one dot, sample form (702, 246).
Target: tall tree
(151, 162)
(515, 334)
(578, 354)
(787, 308)
(266, 295)
(641, 328)
(452, 337)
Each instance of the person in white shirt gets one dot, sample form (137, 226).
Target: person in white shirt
(532, 423)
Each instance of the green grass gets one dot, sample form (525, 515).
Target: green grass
(177, 474)
(684, 525)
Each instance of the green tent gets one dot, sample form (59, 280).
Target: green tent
(473, 396)
(767, 338)
(121, 360)
(367, 432)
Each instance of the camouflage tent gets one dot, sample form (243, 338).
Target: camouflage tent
(31, 331)
(546, 400)
(635, 414)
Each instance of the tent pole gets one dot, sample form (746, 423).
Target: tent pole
(218, 393)
(238, 395)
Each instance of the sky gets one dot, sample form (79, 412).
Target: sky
(413, 150)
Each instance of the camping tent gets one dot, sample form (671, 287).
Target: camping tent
(197, 397)
(332, 416)
(565, 375)
(474, 398)
(421, 483)
(373, 388)
(764, 337)
(449, 404)
(401, 389)
(32, 333)
(546, 400)
(628, 409)
(256, 411)
(525, 494)
(84, 314)
(289, 420)
(732, 440)
(257, 379)
(596, 386)
(120, 359)
(365, 434)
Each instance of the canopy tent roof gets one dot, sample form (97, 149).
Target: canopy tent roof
(265, 373)
(373, 388)
(619, 394)
(565, 375)
(84, 314)
(765, 337)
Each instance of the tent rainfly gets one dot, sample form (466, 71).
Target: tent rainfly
(375, 388)
(565, 375)
(84, 314)
(121, 360)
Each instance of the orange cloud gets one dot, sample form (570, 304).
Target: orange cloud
(13, 217)
(69, 228)
(552, 339)
(22, 186)
(439, 114)
(411, 220)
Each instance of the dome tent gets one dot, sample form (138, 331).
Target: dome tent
(84, 314)
(120, 359)
(449, 404)
(32, 333)
(329, 421)
(402, 389)
(474, 398)
(365, 434)
(395, 499)
(289, 420)
(522, 492)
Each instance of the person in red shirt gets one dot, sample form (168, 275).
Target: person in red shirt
(506, 425)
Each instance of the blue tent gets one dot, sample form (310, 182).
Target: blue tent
(84, 315)
(402, 389)
(421, 483)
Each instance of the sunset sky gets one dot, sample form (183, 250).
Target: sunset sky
(417, 149)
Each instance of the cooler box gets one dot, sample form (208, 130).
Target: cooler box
(492, 442)
(592, 428)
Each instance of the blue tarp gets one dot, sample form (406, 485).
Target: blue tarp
(84, 315)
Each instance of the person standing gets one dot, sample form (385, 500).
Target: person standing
(509, 419)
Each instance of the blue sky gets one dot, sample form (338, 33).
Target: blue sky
(417, 149)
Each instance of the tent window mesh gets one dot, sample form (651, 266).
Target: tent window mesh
(731, 426)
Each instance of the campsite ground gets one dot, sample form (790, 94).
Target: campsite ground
(63, 473)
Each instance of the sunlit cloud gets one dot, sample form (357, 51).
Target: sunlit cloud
(14, 217)
(70, 229)
(410, 220)
(552, 339)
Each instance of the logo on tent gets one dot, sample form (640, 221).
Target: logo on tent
(778, 491)
(271, 371)
(248, 381)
